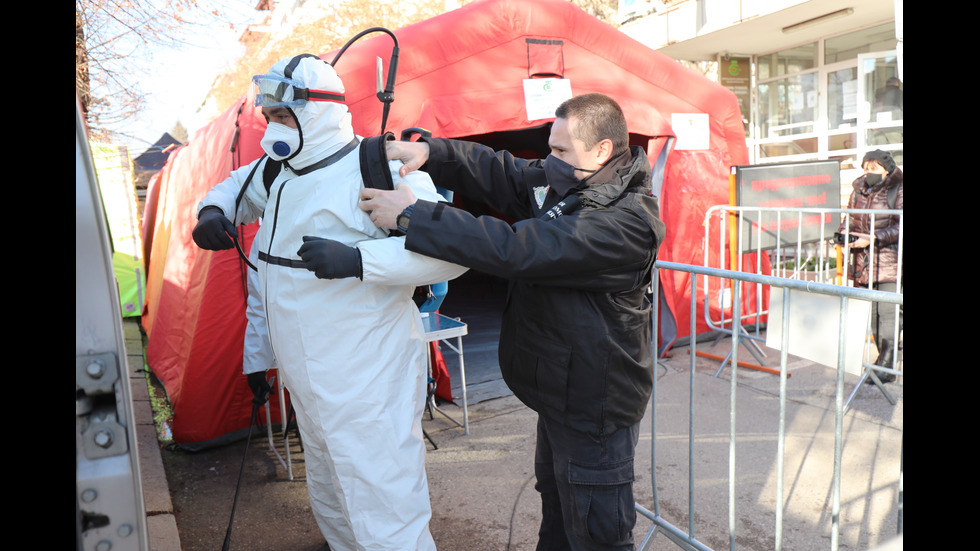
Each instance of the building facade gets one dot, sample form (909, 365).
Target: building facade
(817, 79)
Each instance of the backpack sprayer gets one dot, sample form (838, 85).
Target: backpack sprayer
(385, 95)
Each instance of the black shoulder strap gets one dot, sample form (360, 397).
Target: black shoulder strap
(892, 196)
(269, 173)
(248, 180)
(374, 162)
(376, 174)
(241, 193)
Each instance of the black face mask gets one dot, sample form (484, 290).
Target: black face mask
(561, 175)
(872, 179)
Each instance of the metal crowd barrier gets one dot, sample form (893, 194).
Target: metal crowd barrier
(791, 240)
(688, 538)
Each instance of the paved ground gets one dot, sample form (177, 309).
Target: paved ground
(482, 484)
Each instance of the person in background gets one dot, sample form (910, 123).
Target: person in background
(888, 99)
(875, 263)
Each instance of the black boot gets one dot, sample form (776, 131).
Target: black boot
(886, 358)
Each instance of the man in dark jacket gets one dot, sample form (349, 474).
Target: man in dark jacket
(576, 338)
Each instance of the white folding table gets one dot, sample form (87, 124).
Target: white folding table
(442, 328)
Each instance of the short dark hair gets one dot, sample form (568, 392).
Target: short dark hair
(598, 117)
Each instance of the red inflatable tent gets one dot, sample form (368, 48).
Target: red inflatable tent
(460, 75)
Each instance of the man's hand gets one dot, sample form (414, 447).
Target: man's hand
(260, 387)
(412, 154)
(214, 232)
(330, 259)
(385, 206)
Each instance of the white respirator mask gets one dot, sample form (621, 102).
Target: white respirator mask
(281, 142)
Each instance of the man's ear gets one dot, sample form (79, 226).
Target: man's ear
(603, 151)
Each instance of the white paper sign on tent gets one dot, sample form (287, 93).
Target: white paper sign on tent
(692, 130)
(543, 95)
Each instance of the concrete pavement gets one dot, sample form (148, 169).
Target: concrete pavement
(482, 485)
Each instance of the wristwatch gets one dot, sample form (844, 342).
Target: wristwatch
(404, 218)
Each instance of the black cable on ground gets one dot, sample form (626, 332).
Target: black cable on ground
(513, 511)
(241, 471)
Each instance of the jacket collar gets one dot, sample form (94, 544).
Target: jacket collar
(610, 186)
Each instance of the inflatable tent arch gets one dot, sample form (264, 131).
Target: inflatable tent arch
(460, 75)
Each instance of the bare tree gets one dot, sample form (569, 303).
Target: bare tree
(179, 133)
(604, 10)
(112, 40)
(338, 22)
(341, 20)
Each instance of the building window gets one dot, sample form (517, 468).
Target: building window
(831, 99)
(788, 115)
(787, 62)
(847, 47)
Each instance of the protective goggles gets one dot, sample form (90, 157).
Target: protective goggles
(278, 91)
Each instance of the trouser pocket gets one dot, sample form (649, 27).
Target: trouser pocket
(602, 502)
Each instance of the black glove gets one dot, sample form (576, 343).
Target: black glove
(260, 387)
(213, 230)
(330, 259)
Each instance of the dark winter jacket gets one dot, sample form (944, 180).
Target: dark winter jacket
(884, 263)
(576, 342)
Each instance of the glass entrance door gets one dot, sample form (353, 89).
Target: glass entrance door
(880, 105)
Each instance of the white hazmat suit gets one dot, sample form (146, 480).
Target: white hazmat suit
(351, 351)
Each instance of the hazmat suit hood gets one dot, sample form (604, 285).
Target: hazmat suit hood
(324, 126)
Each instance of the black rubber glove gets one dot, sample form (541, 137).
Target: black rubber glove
(330, 259)
(260, 387)
(213, 230)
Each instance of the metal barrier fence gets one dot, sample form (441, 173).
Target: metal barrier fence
(688, 538)
(795, 243)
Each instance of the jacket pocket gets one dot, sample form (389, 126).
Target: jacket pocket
(542, 369)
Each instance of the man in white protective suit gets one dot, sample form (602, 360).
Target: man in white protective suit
(333, 308)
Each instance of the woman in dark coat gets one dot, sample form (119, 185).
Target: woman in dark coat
(875, 262)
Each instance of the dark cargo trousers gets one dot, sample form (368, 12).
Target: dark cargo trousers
(586, 488)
